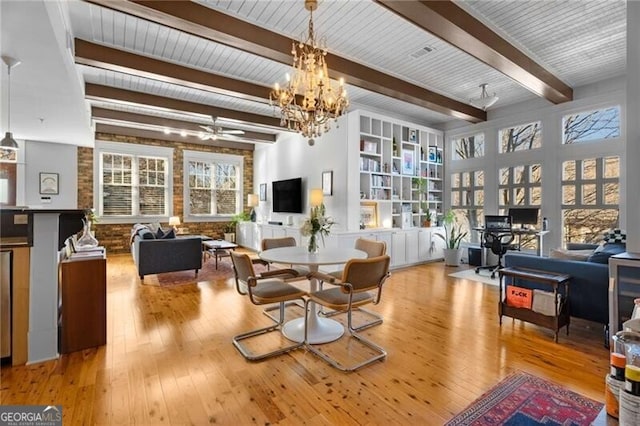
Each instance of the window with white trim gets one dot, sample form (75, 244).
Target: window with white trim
(468, 147)
(213, 184)
(132, 181)
(591, 125)
(590, 197)
(467, 200)
(520, 186)
(521, 138)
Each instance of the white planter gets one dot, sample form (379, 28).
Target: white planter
(452, 257)
(230, 237)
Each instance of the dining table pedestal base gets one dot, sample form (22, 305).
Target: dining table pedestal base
(324, 330)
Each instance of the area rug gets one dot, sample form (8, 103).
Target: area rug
(482, 277)
(525, 400)
(207, 273)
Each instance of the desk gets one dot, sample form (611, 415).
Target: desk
(520, 232)
(321, 330)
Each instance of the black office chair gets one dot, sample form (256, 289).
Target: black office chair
(499, 241)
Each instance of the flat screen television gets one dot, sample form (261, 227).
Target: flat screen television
(287, 196)
(524, 216)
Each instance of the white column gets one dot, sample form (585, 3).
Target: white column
(632, 170)
(43, 289)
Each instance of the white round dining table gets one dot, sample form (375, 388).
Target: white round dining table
(321, 330)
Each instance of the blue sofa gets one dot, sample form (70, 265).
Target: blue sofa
(588, 297)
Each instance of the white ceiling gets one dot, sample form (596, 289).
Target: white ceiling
(581, 42)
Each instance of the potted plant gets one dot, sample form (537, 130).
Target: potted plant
(452, 237)
(230, 228)
(427, 216)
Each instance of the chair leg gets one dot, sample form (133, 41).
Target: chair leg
(275, 327)
(380, 355)
(375, 318)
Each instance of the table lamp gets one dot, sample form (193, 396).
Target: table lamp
(316, 198)
(252, 201)
(174, 221)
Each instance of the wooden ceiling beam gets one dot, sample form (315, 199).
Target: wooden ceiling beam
(452, 24)
(99, 56)
(150, 134)
(201, 21)
(112, 94)
(134, 118)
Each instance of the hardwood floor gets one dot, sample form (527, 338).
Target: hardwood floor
(169, 359)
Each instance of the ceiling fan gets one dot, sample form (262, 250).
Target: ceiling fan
(213, 132)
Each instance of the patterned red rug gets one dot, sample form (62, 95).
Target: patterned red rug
(523, 400)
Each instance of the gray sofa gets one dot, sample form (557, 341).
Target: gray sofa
(155, 256)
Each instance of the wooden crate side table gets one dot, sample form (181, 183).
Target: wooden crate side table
(554, 281)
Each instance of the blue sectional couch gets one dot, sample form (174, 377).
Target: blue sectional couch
(588, 296)
(588, 291)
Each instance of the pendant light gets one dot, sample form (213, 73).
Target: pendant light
(8, 141)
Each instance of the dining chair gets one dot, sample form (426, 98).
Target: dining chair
(373, 248)
(271, 243)
(299, 273)
(361, 284)
(268, 288)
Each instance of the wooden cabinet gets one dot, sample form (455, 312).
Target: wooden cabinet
(82, 315)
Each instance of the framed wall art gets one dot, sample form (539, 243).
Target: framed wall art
(49, 183)
(263, 192)
(369, 214)
(327, 183)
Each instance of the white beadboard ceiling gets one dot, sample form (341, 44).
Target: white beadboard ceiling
(581, 42)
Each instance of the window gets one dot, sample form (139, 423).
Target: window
(467, 200)
(469, 147)
(133, 181)
(521, 138)
(590, 197)
(520, 186)
(214, 184)
(591, 125)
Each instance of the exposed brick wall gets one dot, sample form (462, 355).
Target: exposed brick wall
(115, 237)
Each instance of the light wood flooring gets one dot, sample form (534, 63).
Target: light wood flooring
(169, 359)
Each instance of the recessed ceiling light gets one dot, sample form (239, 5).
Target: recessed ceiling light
(167, 131)
(183, 133)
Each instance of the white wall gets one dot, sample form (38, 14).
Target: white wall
(633, 130)
(51, 158)
(292, 157)
(550, 156)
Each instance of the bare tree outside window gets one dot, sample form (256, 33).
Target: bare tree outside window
(521, 138)
(591, 125)
(469, 147)
(590, 198)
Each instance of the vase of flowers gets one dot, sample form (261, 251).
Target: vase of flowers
(317, 224)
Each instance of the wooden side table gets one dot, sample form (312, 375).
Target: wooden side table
(554, 280)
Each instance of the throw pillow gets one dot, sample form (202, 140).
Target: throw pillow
(615, 236)
(159, 233)
(146, 234)
(171, 233)
(608, 250)
(561, 253)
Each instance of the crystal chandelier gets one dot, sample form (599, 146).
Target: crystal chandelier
(308, 101)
